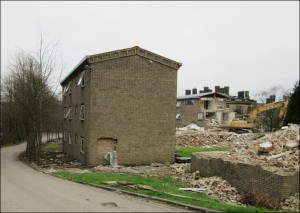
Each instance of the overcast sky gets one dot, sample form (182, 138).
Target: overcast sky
(248, 46)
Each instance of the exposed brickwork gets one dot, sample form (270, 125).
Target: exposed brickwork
(133, 101)
(246, 177)
(130, 100)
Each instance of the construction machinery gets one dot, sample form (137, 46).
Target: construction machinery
(243, 126)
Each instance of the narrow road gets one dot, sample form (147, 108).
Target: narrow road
(24, 189)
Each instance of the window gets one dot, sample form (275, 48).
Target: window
(76, 109)
(205, 104)
(82, 144)
(81, 80)
(70, 87)
(178, 104)
(82, 113)
(68, 113)
(178, 116)
(189, 102)
(76, 139)
(65, 112)
(70, 138)
(66, 89)
(64, 135)
(200, 116)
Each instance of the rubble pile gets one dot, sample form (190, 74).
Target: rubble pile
(212, 138)
(291, 203)
(212, 122)
(212, 186)
(279, 150)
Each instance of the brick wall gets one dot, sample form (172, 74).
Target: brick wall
(189, 113)
(133, 102)
(246, 177)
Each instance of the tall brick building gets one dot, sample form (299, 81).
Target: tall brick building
(123, 101)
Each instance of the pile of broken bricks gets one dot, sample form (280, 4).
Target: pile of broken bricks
(279, 150)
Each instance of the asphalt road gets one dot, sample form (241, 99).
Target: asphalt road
(24, 189)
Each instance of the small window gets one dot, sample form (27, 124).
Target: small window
(81, 80)
(82, 144)
(66, 89)
(70, 87)
(178, 116)
(65, 112)
(178, 104)
(64, 135)
(200, 116)
(68, 113)
(70, 138)
(76, 139)
(189, 102)
(76, 109)
(205, 104)
(82, 113)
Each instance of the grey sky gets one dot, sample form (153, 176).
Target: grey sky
(245, 45)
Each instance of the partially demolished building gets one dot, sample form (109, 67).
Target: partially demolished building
(121, 104)
(203, 107)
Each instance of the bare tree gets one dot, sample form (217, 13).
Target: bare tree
(29, 89)
(270, 118)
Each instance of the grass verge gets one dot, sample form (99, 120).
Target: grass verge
(52, 146)
(187, 152)
(161, 187)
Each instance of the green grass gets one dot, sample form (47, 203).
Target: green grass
(51, 146)
(162, 186)
(187, 152)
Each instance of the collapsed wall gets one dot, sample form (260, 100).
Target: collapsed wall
(246, 177)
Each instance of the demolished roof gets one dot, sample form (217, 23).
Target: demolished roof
(124, 53)
(207, 94)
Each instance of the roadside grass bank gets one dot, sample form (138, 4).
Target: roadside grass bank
(156, 187)
(52, 147)
(187, 152)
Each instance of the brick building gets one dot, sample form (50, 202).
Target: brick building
(122, 101)
(200, 108)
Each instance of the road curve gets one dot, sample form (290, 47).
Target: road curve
(24, 189)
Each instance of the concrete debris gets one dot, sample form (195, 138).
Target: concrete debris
(192, 189)
(212, 138)
(291, 203)
(212, 122)
(283, 157)
(191, 127)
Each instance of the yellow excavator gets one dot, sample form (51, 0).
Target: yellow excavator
(243, 126)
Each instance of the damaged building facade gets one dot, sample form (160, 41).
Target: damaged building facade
(203, 107)
(121, 104)
(242, 104)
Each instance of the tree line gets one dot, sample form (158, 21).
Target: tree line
(30, 103)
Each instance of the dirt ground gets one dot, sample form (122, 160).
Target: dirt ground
(243, 147)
